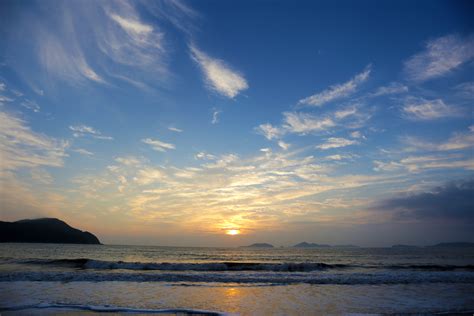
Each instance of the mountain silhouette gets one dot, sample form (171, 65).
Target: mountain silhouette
(44, 230)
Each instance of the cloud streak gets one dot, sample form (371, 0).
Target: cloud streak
(337, 91)
(420, 109)
(20, 147)
(440, 57)
(218, 75)
(158, 145)
(87, 131)
(336, 142)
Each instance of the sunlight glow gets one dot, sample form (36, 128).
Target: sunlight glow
(232, 232)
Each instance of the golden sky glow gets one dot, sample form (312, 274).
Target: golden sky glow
(233, 232)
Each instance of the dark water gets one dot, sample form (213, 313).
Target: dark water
(356, 279)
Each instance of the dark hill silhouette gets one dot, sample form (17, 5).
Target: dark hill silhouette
(259, 245)
(454, 244)
(44, 230)
(305, 244)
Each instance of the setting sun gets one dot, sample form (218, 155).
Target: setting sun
(232, 232)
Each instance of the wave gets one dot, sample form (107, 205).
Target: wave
(111, 309)
(402, 277)
(84, 263)
(165, 266)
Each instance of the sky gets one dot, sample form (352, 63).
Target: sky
(224, 123)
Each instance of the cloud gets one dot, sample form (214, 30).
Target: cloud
(452, 200)
(337, 91)
(392, 88)
(41, 176)
(346, 112)
(440, 57)
(134, 28)
(466, 89)
(31, 105)
(303, 123)
(65, 60)
(458, 141)
(336, 142)
(218, 75)
(420, 109)
(357, 134)
(158, 145)
(387, 166)
(83, 151)
(204, 155)
(84, 130)
(348, 117)
(101, 42)
(270, 132)
(263, 190)
(20, 147)
(130, 160)
(215, 116)
(339, 157)
(149, 175)
(175, 129)
(283, 145)
(128, 40)
(4, 99)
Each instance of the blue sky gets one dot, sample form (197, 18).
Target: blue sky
(172, 122)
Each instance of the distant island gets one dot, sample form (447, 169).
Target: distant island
(454, 244)
(305, 244)
(44, 230)
(259, 245)
(404, 246)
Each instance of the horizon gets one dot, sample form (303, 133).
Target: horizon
(223, 124)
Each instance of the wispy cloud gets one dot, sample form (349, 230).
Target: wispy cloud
(87, 131)
(204, 155)
(466, 89)
(83, 151)
(336, 142)
(304, 123)
(175, 129)
(283, 145)
(65, 61)
(392, 88)
(441, 56)
(218, 75)
(215, 116)
(30, 105)
(41, 176)
(158, 145)
(339, 157)
(101, 42)
(458, 141)
(337, 91)
(21, 147)
(266, 189)
(423, 109)
(269, 131)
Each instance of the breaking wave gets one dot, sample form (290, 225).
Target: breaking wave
(83, 263)
(244, 277)
(111, 309)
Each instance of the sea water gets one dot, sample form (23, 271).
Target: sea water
(47, 278)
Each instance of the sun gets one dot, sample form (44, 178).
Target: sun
(232, 232)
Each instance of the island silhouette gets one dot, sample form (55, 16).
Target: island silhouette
(44, 230)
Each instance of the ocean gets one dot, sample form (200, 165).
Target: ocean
(58, 278)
